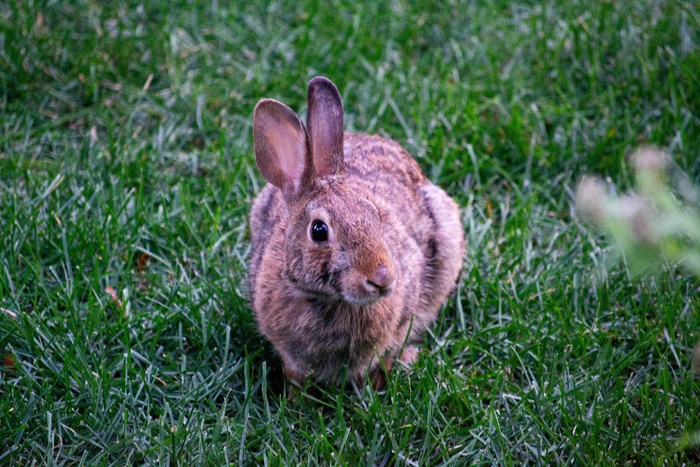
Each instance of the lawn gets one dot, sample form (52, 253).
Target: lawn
(127, 172)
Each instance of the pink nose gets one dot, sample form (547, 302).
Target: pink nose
(383, 279)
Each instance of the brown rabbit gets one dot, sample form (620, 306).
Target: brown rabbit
(354, 251)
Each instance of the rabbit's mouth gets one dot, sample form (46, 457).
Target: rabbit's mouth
(366, 292)
(360, 301)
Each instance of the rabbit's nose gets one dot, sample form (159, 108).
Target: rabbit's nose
(383, 279)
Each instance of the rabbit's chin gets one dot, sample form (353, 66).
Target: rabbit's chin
(359, 301)
(365, 298)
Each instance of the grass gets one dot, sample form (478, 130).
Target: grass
(126, 175)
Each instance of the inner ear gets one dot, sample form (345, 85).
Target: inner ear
(281, 147)
(324, 122)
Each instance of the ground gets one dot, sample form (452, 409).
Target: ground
(127, 172)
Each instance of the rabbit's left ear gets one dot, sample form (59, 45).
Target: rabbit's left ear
(281, 148)
(324, 125)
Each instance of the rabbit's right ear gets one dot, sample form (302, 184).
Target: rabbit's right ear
(281, 147)
(324, 122)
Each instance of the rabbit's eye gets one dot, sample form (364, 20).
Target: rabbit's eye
(319, 231)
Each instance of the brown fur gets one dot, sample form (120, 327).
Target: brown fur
(389, 227)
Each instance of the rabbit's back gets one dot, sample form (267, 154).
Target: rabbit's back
(384, 168)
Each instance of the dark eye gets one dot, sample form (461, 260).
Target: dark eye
(319, 231)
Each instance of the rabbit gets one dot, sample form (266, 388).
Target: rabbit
(353, 250)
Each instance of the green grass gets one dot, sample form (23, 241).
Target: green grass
(126, 175)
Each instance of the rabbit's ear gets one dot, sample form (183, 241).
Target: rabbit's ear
(324, 122)
(281, 147)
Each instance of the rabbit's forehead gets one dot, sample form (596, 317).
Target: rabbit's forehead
(342, 210)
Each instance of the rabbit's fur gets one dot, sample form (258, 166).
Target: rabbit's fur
(392, 255)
